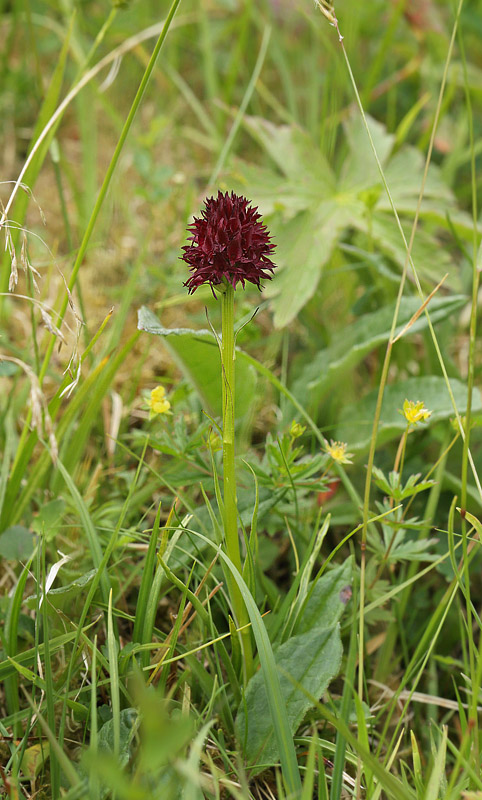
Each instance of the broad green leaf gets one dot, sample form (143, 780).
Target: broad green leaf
(17, 543)
(197, 354)
(327, 599)
(63, 596)
(269, 191)
(362, 337)
(356, 421)
(360, 168)
(430, 259)
(34, 759)
(271, 678)
(403, 174)
(305, 245)
(7, 369)
(49, 518)
(311, 660)
(127, 725)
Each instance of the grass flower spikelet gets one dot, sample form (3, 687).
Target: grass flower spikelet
(229, 244)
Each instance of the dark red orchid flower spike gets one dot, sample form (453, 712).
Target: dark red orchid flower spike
(229, 244)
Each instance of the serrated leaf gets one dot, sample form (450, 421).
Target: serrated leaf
(356, 421)
(381, 481)
(270, 191)
(403, 177)
(267, 500)
(412, 488)
(413, 551)
(305, 244)
(393, 487)
(306, 185)
(197, 354)
(293, 151)
(311, 660)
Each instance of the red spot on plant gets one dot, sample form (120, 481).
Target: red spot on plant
(345, 594)
(329, 492)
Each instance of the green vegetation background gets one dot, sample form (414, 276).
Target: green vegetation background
(124, 679)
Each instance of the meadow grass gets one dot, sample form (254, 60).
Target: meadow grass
(338, 654)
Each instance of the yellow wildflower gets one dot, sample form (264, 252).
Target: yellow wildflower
(415, 412)
(337, 451)
(158, 404)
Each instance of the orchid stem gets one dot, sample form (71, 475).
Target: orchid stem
(229, 480)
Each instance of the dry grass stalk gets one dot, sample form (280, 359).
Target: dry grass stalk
(41, 419)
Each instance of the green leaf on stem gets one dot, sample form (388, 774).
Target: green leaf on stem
(197, 355)
(312, 660)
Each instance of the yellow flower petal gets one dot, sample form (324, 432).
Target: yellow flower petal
(415, 412)
(337, 451)
(157, 402)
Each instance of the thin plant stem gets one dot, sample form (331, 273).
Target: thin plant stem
(229, 474)
(400, 457)
(474, 670)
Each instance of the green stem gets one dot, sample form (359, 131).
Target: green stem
(474, 666)
(229, 477)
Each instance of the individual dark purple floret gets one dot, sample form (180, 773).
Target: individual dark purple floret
(228, 243)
